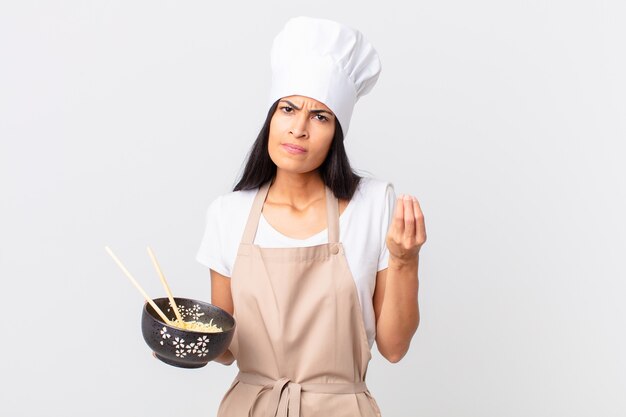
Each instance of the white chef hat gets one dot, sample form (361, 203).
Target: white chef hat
(323, 60)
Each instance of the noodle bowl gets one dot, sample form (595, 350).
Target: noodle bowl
(204, 334)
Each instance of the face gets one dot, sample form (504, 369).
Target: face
(301, 131)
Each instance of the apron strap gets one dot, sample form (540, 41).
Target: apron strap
(285, 394)
(332, 215)
(255, 214)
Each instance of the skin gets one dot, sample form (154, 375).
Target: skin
(296, 207)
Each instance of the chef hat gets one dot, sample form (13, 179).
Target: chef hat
(323, 60)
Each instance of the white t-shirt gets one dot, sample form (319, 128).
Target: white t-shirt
(363, 229)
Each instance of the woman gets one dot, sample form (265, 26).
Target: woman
(312, 260)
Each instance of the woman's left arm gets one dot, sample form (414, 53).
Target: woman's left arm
(395, 297)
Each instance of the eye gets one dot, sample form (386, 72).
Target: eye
(321, 117)
(287, 109)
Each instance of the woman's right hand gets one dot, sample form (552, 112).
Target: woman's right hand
(225, 358)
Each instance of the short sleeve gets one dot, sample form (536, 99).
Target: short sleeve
(386, 218)
(210, 251)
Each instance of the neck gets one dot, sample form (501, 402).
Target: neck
(296, 189)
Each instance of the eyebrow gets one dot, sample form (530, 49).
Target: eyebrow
(310, 111)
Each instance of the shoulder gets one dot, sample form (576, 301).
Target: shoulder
(373, 190)
(232, 202)
(225, 221)
(226, 218)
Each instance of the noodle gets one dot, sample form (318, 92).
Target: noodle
(198, 326)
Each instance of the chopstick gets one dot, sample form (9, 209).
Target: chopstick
(136, 284)
(167, 287)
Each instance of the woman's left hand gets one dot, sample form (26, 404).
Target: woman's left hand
(407, 232)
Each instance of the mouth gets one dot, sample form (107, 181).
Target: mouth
(293, 149)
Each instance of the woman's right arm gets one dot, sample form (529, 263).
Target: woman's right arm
(222, 298)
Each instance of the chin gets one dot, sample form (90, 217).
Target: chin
(292, 166)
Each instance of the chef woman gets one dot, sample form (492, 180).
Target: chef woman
(314, 262)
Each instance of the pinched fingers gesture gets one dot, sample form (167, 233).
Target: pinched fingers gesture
(407, 232)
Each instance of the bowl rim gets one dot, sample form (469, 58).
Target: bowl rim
(161, 322)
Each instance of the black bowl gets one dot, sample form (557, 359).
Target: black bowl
(186, 348)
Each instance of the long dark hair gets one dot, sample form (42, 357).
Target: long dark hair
(335, 170)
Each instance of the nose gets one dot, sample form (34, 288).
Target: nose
(299, 127)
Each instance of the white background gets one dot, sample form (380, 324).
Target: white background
(121, 120)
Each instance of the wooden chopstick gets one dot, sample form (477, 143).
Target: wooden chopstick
(136, 284)
(167, 287)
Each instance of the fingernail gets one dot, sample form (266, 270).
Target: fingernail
(407, 197)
